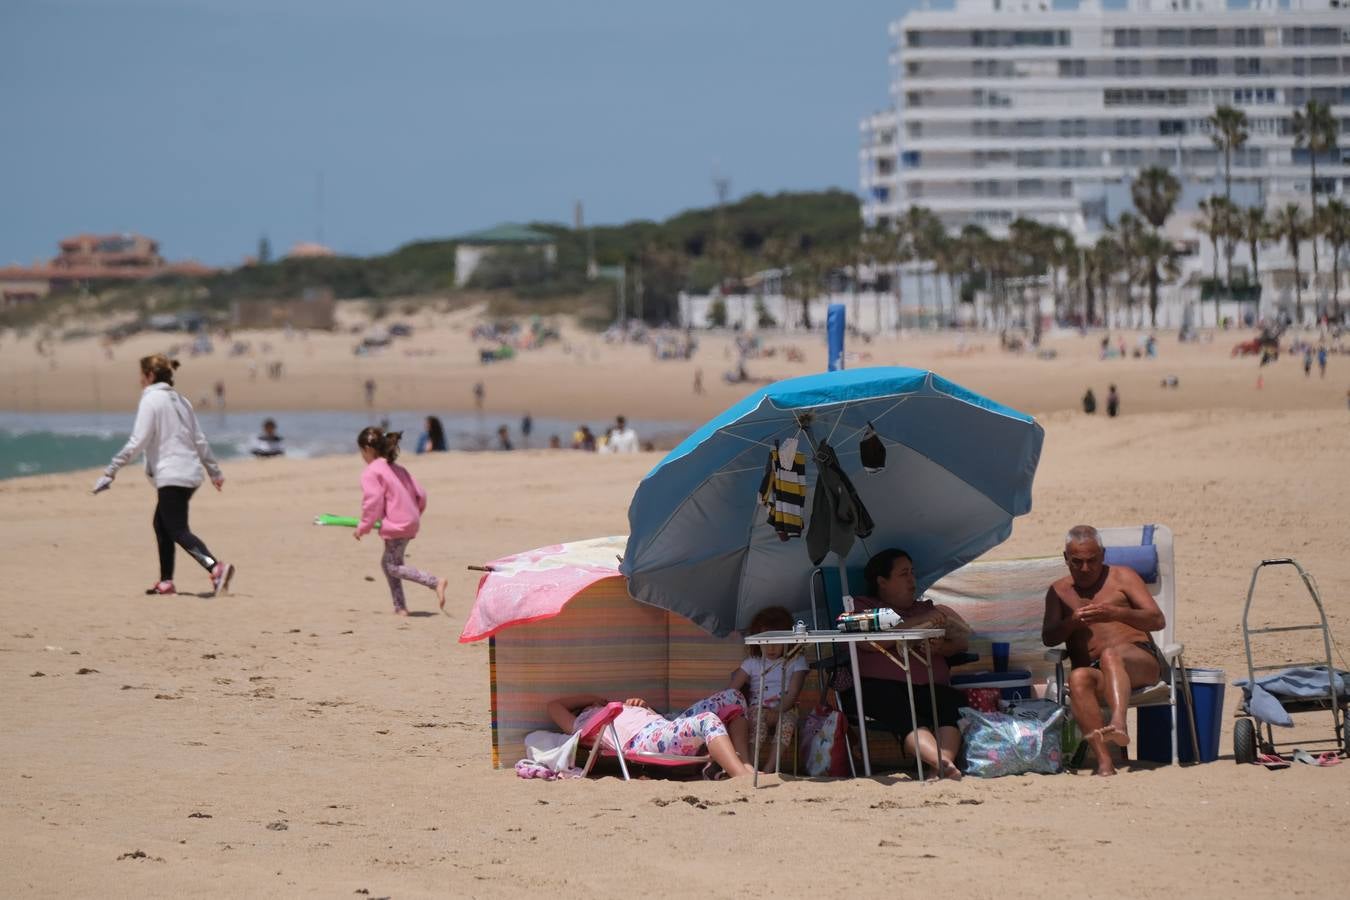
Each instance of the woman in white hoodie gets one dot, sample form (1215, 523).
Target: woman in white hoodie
(166, 430)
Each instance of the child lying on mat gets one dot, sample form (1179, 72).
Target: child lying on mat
(717, 723)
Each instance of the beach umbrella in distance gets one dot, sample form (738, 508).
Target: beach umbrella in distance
(957, 469)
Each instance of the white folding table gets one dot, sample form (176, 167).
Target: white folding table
(906, 637)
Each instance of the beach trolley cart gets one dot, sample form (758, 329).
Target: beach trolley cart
(1247, 737)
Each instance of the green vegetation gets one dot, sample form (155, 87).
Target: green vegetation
(696, 249)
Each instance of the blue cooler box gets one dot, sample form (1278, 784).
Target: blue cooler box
(1155, 722)
(1014, 684)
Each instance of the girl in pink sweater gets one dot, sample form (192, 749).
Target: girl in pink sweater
(389, 493)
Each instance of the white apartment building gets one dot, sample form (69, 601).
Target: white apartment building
(1041, 109)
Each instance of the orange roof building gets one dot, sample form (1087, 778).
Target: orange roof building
(92, 257)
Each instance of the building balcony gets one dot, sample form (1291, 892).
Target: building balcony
(921, 114)
(965, 174)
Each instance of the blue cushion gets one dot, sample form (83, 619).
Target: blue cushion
(1144, 560)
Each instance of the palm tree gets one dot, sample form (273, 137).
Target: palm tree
(1062, 254)
(1228, 131)
(1335, 226)
(1292, 228)
(1159, 262)
(1315, 129)
(876, 248)
(1129, 232)
(1217, 220)
(1154, 192)
(1106, 260)
(972, 254)
(925, 233)
(1255, 231)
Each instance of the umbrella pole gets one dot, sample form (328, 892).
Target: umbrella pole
(857, 679)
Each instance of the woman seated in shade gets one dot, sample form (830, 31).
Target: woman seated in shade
(717, 723)
(890, 582)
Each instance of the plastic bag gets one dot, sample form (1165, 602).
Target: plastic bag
(824, 744)
(1024, 739)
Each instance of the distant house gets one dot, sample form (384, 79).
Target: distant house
(87, 258)
(309, 250)
(471, 249)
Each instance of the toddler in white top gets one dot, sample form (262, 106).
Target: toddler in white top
(768, 679)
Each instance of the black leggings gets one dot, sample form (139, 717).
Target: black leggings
(171, 527)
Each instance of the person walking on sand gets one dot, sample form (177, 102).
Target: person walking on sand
(698, 381)
(1307, 362)
(370, 392)
(176, 451)
(478, 393)
(1112, 402)
(1322, 361)
(391, 496)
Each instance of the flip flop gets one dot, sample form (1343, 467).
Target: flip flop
(1272, 761)
(1328, 758)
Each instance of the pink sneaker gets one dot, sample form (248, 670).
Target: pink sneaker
(161, 587)
(220, 577)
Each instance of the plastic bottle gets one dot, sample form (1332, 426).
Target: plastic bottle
(882, 618)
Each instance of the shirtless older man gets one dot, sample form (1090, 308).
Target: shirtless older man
(1103, 614)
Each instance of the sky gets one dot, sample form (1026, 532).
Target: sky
(208, 123)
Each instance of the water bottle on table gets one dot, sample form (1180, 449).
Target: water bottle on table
(880, 619)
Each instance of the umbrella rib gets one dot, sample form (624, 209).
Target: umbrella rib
(829, 439)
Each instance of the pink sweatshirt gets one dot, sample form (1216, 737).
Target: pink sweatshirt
(389, 492)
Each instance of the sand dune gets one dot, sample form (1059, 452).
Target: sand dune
(296, 738)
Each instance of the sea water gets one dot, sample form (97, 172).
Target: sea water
(42, 443)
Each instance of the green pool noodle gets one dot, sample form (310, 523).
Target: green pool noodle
(341, 521)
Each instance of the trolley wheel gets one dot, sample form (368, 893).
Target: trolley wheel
(1244, 741)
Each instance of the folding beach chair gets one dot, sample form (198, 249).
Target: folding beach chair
(594, 733)
(602, 728)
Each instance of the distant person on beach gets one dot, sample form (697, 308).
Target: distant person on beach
(1307, 361)
(1322, 361)
(583, 439)
(1103, 615)
(478, 393)
(433, 439)
(269, 442)
(622, 439)
(176, 451)
(220, 395)
(698, 381)
(391, 496)
(504, 438)
(554, 442)
(1112, 401)
(526, 426)
(1090, 402)
(370, 392)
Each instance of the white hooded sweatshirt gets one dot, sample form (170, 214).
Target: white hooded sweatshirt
(175, 448)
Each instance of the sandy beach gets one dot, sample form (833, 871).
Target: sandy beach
(294, 738)
(583, 376)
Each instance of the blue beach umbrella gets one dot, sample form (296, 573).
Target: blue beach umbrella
(958, 468)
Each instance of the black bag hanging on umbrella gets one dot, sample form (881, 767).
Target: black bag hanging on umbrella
(871, 451)
(837, 513)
